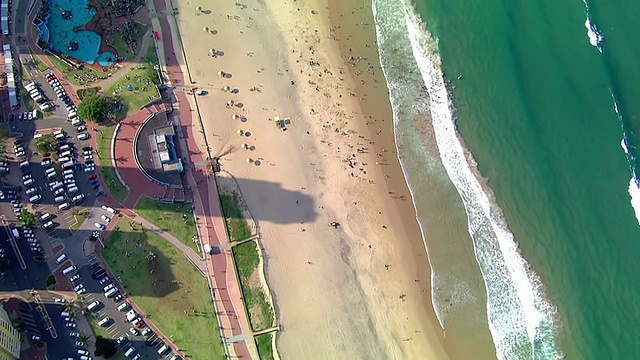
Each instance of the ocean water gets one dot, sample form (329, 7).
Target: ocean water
(528, 110)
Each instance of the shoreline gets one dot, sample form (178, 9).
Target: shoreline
(367, 264)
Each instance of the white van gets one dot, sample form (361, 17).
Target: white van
(131, 315)
(109, 209)
(63, 206)
(45, 217)
(28, 182)
(60, 259)
(111, 292)
(58, 199)
(93, 305)
(69, 270)
(123, 306)
(24, 164)
(163, 349)
(129, 352)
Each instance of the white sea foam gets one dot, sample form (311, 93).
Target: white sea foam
(521, 319)
(595, 36)
(634, 192)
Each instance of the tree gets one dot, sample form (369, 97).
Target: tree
(92, 108)
(28, 219)
(105, 347)
(45, 144)
(84, 338)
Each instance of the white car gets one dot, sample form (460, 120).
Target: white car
(81, 128)
(99, 226)
(45, 162)
(202, 92)
(83, 136)
(105, 218)
(77, 198)
(30, 191)
(20, 154)
(74, 277)
(48, 224)
(35, 198)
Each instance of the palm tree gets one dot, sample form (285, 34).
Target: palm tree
(84, 338)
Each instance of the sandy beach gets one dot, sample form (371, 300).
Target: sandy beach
(359, 291)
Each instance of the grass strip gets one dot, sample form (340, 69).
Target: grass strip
(103, 143)
(265, 346)
(247, 260)
(232, 207)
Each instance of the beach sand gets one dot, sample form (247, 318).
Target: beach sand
(361, 291)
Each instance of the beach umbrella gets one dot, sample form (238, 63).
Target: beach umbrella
(235, 117)
(230, 103)
(212, 50)
(245, 146)
(222, 73)
(205, 29)
(249, 160)
(240, 132)
(226, 88)
(198, 9)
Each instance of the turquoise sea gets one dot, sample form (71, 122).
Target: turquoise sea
(530, 111)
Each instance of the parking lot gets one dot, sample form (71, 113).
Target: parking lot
(120, 321)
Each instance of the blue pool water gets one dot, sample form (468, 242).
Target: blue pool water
(59, 33)
(106, 58)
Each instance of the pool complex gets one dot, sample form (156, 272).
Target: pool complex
(59, 32)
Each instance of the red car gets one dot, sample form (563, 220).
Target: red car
(51, 77)
(93, 177)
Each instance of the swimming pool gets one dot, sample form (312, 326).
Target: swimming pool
(64, 30)
(106, 58)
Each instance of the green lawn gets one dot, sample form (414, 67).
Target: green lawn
(83, 76)
(265, 348)
(103, 141)
(128, 49)
(39, 64)
(167, 287)
(170, 218)
(143, 79)
(246, 258)
(237, 226)
(88, 92)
